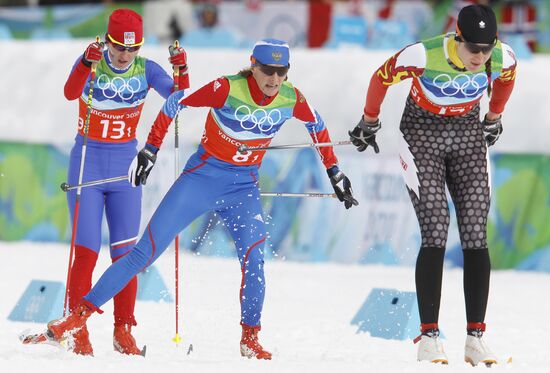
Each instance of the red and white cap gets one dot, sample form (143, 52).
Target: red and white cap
(125, 28)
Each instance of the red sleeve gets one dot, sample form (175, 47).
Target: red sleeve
(316, 128)
(214, 94)
(375, 96)
(502, 89)
(159, 129)
(325, 152)
(76, 81)
(302, 110)
(393, 71)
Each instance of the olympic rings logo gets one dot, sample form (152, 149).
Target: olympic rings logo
(118, 86)
(461, 83)
(258, 117)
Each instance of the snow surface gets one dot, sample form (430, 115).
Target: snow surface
(306, 319)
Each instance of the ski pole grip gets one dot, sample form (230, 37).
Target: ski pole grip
(94, 64)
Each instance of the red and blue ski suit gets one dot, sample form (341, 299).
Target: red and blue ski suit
(118, 99)
(219, 178)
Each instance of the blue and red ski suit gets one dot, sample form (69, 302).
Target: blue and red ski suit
(117, 102)
(219, 178)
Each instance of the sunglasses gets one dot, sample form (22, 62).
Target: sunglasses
(476, 48)
(270, 70)
(122, 48)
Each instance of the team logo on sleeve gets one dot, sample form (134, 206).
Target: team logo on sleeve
(217, 85)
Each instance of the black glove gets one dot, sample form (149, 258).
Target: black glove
(492, 130)
(342, 186)
(364, 134)
(141, 165)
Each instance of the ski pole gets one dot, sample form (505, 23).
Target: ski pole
(245, 148)
(66, 187)
(80, 176)
(176, 74)
(312, 195)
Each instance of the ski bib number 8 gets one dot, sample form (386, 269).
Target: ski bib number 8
(244, 157)
(241, 157)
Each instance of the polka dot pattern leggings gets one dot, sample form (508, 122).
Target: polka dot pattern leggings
(447, 151)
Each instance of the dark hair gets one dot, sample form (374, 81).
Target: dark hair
(245, 72)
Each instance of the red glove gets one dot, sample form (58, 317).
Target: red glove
(93, 54)
(178, 57)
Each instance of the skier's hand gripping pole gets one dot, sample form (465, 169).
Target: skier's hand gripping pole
(342, 187)
(364, 135)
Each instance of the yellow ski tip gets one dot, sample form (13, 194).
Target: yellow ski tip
(509, 360)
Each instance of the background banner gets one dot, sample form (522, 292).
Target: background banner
(382, 229)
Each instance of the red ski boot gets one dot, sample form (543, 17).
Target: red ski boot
(64, 327)
(250, 347)
(124, 342)
(81, 342)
